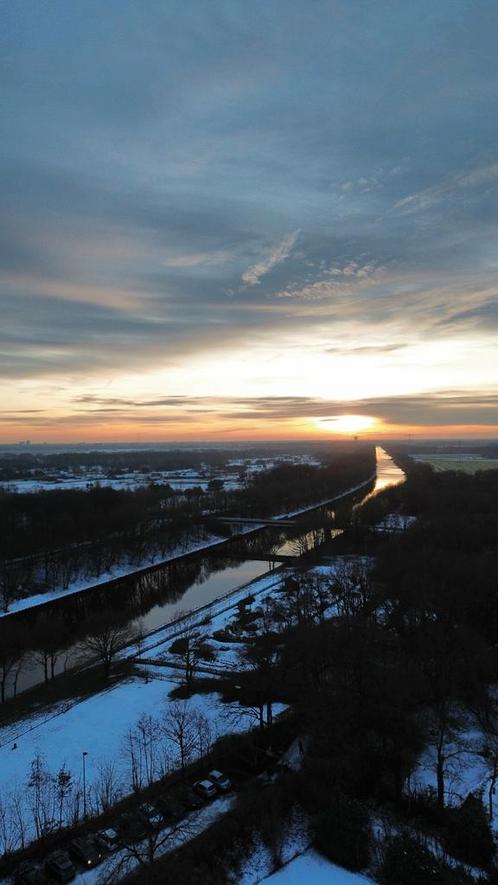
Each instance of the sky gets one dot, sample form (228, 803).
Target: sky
(233, 220)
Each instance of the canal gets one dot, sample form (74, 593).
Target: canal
(149, 599)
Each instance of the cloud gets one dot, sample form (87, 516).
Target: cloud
(146, 178)
(200, 259)
(451, 407)
(253, 275)
(457, 185)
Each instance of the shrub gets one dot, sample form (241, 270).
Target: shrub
(179, 646)
(343, 833)
(469, 835)
(407, 862)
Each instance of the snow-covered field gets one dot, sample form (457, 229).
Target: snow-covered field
(187, 478)
(98, 726)
(312, 868)
(178, 480)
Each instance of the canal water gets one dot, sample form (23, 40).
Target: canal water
(163, 593)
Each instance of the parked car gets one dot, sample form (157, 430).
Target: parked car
(206, 789)
(29, 874)
(189, 798)
(84, 851)
(169, 807)
(152, 815)
(107, 840)
(222, 783)
(60, 867)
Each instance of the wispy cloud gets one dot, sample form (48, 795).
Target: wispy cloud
(252, 276)
(458, 184)
(199, 259)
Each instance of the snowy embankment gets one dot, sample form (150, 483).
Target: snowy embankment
(328, 500)
(121, 570)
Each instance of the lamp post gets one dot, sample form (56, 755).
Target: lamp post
(84, 754)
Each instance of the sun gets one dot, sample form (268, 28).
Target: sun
(346, 423)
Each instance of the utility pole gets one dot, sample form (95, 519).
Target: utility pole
(85, 754)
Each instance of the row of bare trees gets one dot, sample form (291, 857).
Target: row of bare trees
(50, 800)
(56, 571)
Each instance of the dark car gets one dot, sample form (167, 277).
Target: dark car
(84, 851)
(30, 874)
(132, 827)
(189, 798)
(60, 867)
(107, 840)
(170, 808)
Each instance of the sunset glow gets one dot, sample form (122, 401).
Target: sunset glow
(347, 423)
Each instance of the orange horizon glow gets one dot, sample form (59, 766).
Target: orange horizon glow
(306, 430)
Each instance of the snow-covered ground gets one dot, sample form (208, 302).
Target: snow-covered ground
(395, 522)
(98, 726)
(187, 478)
(311, 868)
(177, 479)
(221, 616)
(466, 770)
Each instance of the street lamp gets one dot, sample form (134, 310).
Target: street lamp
(85, 754)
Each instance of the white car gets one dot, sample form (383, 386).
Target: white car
(206, 789)
(222, 783)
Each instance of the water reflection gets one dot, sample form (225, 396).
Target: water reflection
(388, 474)
(204, 589)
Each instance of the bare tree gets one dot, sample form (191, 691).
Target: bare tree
(350, 586)
(181, 726)
(12, 652)
(144, 854)
(262, 657)
(144, 751)
(486, 715)
(12, 579)
(106, 788)
(189, 647)
(444, 728)
(63, 788)
(40, 789)
(105, 638)
(9, 837)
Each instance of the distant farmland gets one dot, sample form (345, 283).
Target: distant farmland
(465, 463)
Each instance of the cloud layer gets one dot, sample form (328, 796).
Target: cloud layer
(185, 181)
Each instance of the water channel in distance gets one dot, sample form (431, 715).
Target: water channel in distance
(169, 590)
